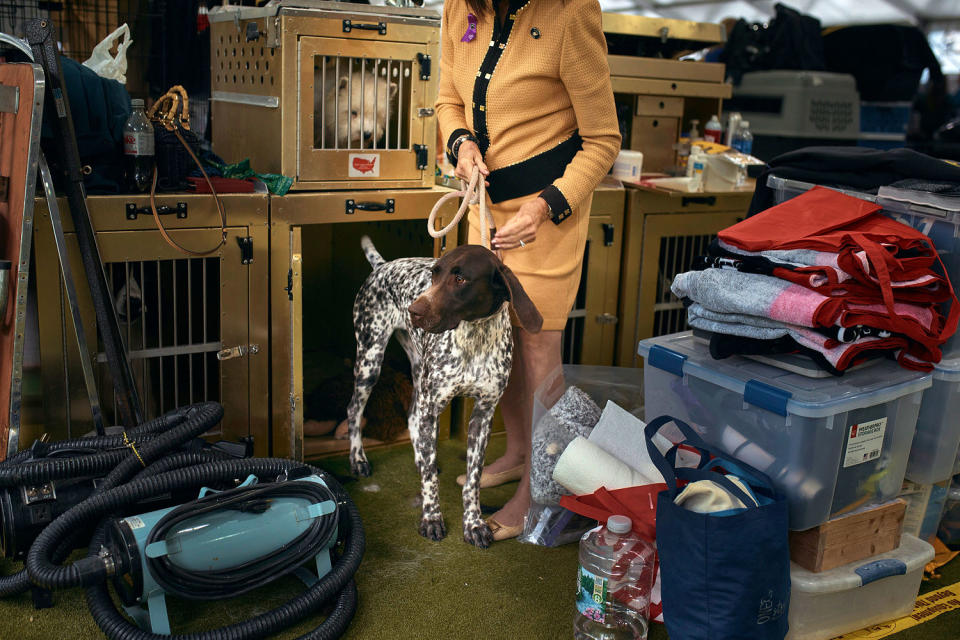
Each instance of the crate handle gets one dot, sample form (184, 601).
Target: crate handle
(133, 210)
(350, 206)
(380, 27)
(707, 200)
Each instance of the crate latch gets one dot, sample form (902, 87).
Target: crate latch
(606, 318)
(180, 210)
(380, 27)
(425, 112)
(421, 151)
(289, 287)
(238, 351)
(350, 206)
(607, 235)
(666, 359)
(766, 396)
(246, 249)
(253, 32)
(424, 60)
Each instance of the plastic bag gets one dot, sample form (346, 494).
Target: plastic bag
(561, 411)
(107, 66)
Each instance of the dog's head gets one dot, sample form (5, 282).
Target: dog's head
(470, 283)
(361, 102)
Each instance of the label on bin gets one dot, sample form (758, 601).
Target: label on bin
(591, 595)
(864, 442)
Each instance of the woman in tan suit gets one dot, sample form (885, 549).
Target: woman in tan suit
(525, 97)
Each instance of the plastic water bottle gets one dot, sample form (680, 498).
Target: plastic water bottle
(614, 583)
(713, 131)
(138, 149)
(743, 140)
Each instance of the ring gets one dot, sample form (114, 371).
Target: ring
(522, 243)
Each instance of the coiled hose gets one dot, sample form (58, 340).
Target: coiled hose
(93, 570)
(124, 456)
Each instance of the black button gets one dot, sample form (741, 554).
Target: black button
(535, 33)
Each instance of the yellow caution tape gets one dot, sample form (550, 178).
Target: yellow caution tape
(927, 607)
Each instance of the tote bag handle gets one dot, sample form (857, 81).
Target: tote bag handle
(709, 460)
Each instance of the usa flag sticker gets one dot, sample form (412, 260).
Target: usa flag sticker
(364, 165)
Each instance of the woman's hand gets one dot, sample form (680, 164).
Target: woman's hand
(522, 226)
(468, 157)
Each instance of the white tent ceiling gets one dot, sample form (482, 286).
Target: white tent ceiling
(830, 12)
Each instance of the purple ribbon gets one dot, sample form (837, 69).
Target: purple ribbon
(471, 32)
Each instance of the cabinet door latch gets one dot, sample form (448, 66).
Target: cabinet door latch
(246, 249)
(238, 351)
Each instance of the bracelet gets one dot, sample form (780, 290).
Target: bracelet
(455, 148)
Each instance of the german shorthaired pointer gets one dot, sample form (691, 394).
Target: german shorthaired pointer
(452, 318)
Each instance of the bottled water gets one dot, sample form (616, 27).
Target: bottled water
(743, 139)
(614, 583)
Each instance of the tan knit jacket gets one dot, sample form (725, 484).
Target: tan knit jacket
(527, 87)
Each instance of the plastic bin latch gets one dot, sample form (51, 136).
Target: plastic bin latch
(666, 359)
(880, 569)
(765, 396)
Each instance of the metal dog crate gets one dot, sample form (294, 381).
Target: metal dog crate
(656, 95)
(335, 95)
(316, 254)
(196, 328)
(663, 232)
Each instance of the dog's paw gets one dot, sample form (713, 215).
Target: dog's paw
(479, 534)
(433, 528)
(360, 466)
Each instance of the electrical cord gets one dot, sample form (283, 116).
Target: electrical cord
(242, 578)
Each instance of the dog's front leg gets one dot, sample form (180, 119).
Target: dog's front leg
(475, 530)
(423, 435)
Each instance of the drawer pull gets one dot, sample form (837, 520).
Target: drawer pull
(707, 200)
(180, 210)
(350, 206)
(380, 27)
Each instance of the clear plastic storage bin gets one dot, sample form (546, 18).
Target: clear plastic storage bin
(856, 595)
(934, 215)
(830, 444)
(934, 452)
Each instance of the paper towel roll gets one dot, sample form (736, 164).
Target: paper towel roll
(584, 467)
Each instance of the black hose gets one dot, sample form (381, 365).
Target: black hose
(150, 442)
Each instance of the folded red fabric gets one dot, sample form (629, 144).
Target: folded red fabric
(874, 249)
(222, 185)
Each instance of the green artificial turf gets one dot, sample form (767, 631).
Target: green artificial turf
(411, 588)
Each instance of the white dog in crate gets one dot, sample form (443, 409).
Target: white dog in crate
(357, 105)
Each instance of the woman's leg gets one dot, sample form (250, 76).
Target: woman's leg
(535, 355)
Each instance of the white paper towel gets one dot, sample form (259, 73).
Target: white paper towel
(584, 467)
(620, 433)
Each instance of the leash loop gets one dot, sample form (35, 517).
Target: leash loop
(473, 193)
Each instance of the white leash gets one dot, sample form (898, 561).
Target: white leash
(473, 193)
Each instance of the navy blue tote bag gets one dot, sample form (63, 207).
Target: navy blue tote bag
(723, 576)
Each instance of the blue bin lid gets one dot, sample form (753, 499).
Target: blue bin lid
(782, 391)
(947, 370)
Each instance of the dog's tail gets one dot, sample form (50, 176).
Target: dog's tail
(373, 256)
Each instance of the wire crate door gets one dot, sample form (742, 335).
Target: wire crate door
(360, 111)
(184, 320)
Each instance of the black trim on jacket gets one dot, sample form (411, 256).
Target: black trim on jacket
(537, 173)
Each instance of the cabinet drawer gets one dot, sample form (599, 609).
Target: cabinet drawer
(655, 137)
(659, 106)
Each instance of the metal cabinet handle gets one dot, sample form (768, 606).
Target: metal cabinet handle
(350, 206)
(380, 27)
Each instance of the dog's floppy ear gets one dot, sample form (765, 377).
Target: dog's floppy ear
(526, 311)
